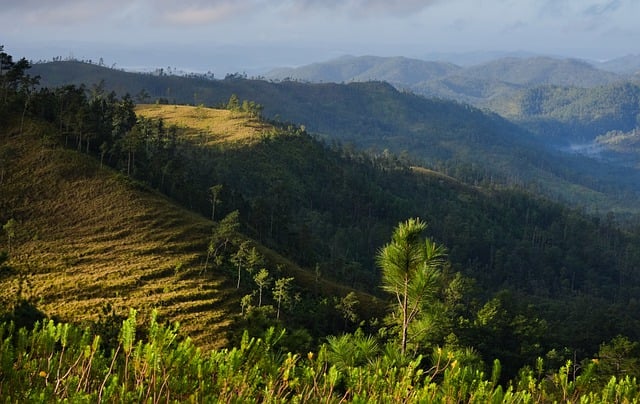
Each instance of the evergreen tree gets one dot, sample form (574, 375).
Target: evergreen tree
(262, 279)
(410, 271)
(282, 292)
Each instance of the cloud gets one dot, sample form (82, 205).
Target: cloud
(366, 8)
(185, 12)
(347, 25)
(26, 5)
(60, 12)
(201, 12)
(597, 10)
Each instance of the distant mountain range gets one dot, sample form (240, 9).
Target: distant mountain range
(528, 71)
(395, 70)
(559, 98)
(629, 64)
(480, 84)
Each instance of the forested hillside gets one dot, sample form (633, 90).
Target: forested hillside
(629, 64)
(566, 100)
(573, 114)
(536, 71)
(461, 141)
(226, 221)
(83, 242)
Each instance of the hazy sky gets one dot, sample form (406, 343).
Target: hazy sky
(248, 35)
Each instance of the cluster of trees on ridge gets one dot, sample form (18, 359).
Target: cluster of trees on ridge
(552, 264)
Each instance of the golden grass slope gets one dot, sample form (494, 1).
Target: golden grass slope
(88, 236)
(210, 127)
(207, 126)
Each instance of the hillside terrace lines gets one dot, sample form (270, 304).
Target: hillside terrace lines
(92, 237)
(88, 238)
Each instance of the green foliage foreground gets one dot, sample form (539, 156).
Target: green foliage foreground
(61, 362)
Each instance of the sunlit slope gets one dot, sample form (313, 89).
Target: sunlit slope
(241, 131)
(88, 236)
(206, 126)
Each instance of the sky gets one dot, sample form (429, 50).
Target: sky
(253, 36)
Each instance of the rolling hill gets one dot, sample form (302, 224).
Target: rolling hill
(375, 116)
(629, 64)
(400, 71)
(573, 114)
(565, 99)
(562, 100)
(90, 240)
(478, 84)
(536, 71)
(407, 73)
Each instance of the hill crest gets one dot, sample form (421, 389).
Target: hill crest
(208, 126)
(397, 70)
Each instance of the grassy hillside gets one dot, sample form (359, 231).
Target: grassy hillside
(207, 126)
(88, 237)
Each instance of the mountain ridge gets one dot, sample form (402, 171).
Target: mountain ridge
(91, 242)
(397, 70)
(533, 70)
(376, 116)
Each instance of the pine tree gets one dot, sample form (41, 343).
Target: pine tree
(410, 271)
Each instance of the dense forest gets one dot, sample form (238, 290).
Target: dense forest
(494, 294)
(461, 141)
(574, 114)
